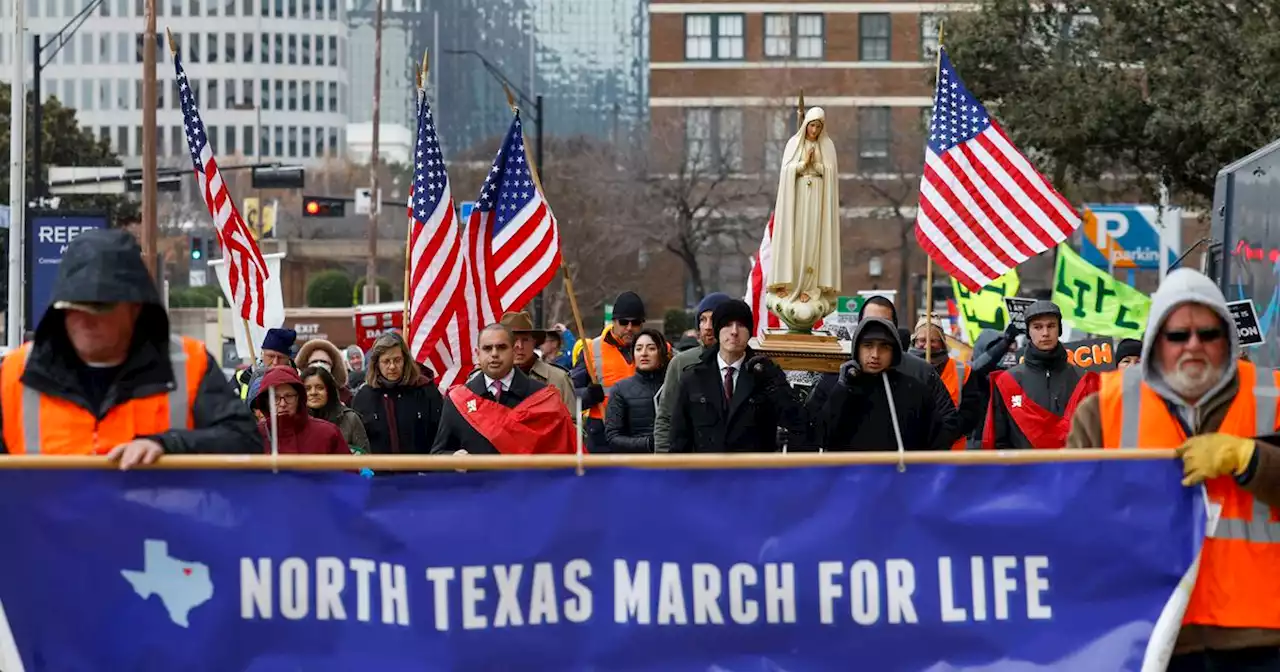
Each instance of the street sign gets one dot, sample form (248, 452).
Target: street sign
(48, 234)
(465, 208)
(365, 202)
(1127, 237)
(608, 313)
(1245, 316)
(850, 304)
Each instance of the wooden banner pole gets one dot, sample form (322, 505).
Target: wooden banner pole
(573, 462)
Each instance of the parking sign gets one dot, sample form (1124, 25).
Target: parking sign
(1125, 236)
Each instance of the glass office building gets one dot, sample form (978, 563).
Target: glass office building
(587, 58)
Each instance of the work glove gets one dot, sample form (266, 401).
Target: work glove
(1012, 332)
(593, 395)
(849, 371)
(771, 376)
(1212, 455)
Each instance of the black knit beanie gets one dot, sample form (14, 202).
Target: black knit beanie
(734, 310)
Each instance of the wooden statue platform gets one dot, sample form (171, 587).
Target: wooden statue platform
(820, 353)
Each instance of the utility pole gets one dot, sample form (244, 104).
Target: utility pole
(17, 173)
(149, 173)
(375, 205)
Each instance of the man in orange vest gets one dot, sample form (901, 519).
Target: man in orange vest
(611, 360)
(104, 377)
(966, 386)
(1189, 383)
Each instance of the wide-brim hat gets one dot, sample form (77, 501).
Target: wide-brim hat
(522, 323)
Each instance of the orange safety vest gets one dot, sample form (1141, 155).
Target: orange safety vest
(38, 423)
(954, 376)
(1238, 586)
(610, 367)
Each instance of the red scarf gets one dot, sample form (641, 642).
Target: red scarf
(538, 425)
(1043, 428)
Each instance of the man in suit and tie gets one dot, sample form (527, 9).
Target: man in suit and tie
(733, 400)
(501, 410)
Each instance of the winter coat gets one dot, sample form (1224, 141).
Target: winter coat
(414, 408)
(857, 415)
(704, 423)
(1047, 379)
(628, 422)
(297, 433)
(339, 369)
(457, 434)
(348, 422)
(111, 270)
(670, 392)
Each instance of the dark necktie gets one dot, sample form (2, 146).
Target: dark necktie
(728, 383)
(497, 390)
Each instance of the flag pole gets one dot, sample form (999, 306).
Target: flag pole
(408, 229)
(248, 334)
(928, 273)
(564, 270)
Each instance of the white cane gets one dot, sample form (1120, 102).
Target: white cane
(275, 426)
(897, 431)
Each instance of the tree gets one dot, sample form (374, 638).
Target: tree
(699, 207)
(1141, 89)
(65, 143)
(330, 289)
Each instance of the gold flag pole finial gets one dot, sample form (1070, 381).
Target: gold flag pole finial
(173, 46)
(511, 101)
(422, 69)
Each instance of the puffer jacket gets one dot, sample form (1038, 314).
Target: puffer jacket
(628, 422)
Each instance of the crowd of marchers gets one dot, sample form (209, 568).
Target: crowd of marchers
(103, 375)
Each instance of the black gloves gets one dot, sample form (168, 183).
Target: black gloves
(1012, 332)
(592, 396)
(770, 375)
(849, 371)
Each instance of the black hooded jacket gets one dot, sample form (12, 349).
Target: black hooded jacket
(857, 416)
(1048, 379)
(106, 266)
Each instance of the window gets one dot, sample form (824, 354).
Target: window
(279, 98)
(122, 9)
(333, 96)
(247, 6)
(122, 94)
(246, 92)
(51, 85)
(293, 9)
(306, 9)
(194, 47)
(713, 37)
(229, 9)
(264, 52)
(231, 141)
(247, 134)
(333, 51)
(279, 55)
(137, 141)
(306, 96)
(278, 136)
(306, 141)
(778, 129)
(104, 46)
(265, 94)
(306, 50)
(873, 37)
(211, 47)
(229, 47)
(293, 96)
(873, 139)
(178, 140)
(713, 140)
(319, 141)
(69, 52)
(122, 47)
(928, 37)
(246, 47)
(787, 35)
(86, 48)
(86, 94)
(104, 94)
(293, 50)
(137, 94)
(211, 134)
(229, 92)
(175, 9)
(122, 140)
(333, 141)
(69, 93)
(333, 9)
(211, 100)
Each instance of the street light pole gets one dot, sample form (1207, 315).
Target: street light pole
(371, 266)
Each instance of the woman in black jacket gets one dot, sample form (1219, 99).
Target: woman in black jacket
(399, 403)
(628, 423)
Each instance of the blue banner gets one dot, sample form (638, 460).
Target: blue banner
(1029, 567)
(48, 233)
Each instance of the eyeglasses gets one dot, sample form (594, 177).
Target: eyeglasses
(627, 322)
(287, 398)
(1184, 335)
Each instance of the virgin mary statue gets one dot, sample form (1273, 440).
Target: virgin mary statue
(804, 272)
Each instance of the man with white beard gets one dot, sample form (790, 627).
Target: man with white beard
(1190, 390)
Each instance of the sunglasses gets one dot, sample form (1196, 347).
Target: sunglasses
(627, 322)
(1184, 335)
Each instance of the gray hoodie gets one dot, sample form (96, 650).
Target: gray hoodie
(1183, 286)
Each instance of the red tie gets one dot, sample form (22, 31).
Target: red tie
(497, 390)
(728, 383)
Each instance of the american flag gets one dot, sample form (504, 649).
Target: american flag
(514, 239)
(984, 208)
(246, 269)
(758, 280)
(440, 327)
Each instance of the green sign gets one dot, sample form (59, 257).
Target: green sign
(850, 304)
(1096, 302)
(608, 313)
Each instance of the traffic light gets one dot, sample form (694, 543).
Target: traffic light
(197, 248)
(317, 206)
(279, 177)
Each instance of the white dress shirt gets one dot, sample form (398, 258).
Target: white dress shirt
(736, 366)
(490, 384)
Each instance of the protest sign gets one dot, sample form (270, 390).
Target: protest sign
(1091, 354)
(1245, 316)
(985, 309)
(1017, 309)
(1058, 566)
(1094, 301)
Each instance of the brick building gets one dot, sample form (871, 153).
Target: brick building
(724, 78)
